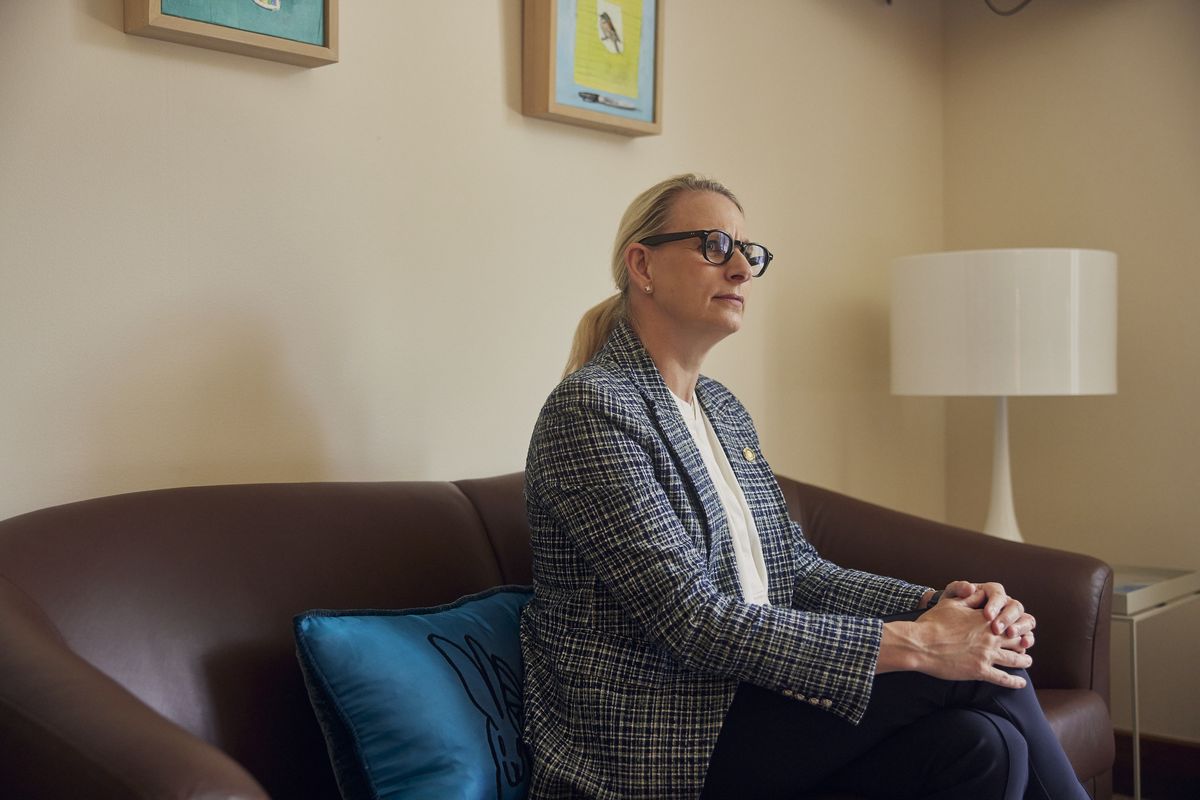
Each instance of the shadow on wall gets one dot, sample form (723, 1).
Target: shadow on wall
(206, 399)
(511, 31)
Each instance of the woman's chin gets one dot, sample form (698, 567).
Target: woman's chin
(732, 321)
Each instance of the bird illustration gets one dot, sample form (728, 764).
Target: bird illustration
(608, 31)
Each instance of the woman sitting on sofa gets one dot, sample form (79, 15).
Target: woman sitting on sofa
(684, 638)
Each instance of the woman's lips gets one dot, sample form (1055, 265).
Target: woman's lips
(733, 298)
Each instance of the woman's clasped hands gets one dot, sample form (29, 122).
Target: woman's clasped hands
(973, 632)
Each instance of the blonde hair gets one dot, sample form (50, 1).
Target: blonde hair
(646, 216)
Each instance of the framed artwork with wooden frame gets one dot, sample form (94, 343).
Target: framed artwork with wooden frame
(301, 32)
(596, 63)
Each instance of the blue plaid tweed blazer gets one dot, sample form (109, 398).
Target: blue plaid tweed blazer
(637, 635)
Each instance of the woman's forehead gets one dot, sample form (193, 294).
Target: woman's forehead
(704, 210)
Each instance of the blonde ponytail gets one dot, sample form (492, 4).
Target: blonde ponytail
(594, 329)
(646, 216)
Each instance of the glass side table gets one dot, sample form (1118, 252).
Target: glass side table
(1140, 593)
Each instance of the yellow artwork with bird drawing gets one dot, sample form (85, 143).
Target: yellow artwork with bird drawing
(608, 40)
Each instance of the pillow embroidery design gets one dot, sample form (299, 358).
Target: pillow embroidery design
(494, 688)
(421, 702)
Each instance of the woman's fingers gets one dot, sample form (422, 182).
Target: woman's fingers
(1019, 643)
(1023, 624)
(1011, 658)
(1010, 617)
(1006, 614)
(997, 601)
(959, 589)
(975, 599)
(1002, 678)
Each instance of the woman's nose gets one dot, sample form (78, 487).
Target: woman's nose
(738, 268)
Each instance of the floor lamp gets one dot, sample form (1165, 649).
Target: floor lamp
(1000, 323)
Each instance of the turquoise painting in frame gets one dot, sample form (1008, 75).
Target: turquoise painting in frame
(298, 20)
(300, 32)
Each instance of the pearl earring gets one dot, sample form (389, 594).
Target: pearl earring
(648, 289)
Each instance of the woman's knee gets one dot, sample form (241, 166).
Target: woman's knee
(985, 756)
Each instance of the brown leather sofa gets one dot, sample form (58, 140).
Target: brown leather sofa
(146, 641)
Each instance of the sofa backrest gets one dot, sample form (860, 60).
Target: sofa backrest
(186, 596)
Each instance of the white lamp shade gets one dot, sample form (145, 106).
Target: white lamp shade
(1038, 321)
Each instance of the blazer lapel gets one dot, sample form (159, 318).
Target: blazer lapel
(757, 481)
(627, 350)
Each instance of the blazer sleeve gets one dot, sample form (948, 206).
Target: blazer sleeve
(824, 586)
(593, 470)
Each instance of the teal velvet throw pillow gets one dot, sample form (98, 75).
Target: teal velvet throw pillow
(421, 703)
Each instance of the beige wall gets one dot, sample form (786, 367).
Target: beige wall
(221, 269)
(1077, 123)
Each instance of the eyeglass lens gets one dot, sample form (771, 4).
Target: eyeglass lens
(718, 249)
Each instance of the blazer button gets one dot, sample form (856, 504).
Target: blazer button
(749, 454)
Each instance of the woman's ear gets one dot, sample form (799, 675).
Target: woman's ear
(637, 264)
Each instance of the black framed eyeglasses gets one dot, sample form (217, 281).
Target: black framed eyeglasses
(717, 247)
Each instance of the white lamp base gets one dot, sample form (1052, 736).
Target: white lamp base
(1002, 517)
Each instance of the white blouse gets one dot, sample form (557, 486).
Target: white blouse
(747, 549)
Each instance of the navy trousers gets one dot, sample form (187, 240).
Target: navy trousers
(921, 737)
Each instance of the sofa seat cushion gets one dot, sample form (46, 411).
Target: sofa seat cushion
(421, 702)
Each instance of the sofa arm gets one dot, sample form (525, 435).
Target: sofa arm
(71, 731)
(1069, 594)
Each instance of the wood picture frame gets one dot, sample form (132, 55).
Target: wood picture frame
(594, 88)
(146, 18)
